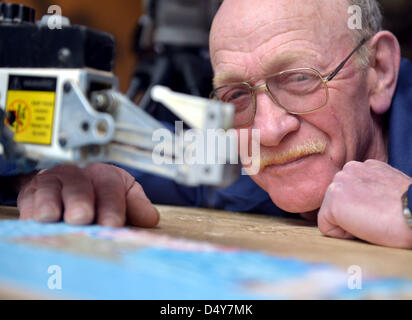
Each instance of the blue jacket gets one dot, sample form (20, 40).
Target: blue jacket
(244, 195)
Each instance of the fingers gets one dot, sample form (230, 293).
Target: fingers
(327, 222)
(110, 192)
(77, 196)
(45, 196)
(25, 203)
(47, 202)
(364, 208)
(330, 229)
(119, 198)
(140, 210)
(41, 200)
(99, 192)
(127, 199)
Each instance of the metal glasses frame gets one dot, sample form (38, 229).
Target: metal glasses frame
(253, 89)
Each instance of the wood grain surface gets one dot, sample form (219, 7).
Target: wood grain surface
(284, 237)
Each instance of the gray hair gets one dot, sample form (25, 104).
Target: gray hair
(371, 24)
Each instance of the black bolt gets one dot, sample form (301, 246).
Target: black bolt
(67, 87)
(62, 142)
(85, 126)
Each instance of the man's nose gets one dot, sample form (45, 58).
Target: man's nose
(273, 122)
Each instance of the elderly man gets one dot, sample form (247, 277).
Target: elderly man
(318, 92)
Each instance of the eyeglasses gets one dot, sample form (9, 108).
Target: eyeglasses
(298, 91)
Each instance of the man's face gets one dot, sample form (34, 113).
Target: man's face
(252, 39)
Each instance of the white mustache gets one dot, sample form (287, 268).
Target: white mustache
(308, 148)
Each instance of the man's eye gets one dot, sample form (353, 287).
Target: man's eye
(235, 95)
(299, 83)
(295, 78)
(300, 78)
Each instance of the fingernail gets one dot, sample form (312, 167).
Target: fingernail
(79, 217)
(44, 216)
(111, 221)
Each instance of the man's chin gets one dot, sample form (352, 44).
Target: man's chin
(294, 198)
(297, 187)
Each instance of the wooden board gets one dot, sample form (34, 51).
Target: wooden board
(280, 236)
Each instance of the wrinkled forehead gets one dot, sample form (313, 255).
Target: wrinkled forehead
(256, 27)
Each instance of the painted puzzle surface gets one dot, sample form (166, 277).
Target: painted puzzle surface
(62, 261)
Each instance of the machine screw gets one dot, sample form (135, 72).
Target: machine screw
(67, 87)
(85, 126)
(62, 142)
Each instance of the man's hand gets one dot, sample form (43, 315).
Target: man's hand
(99, 193)
(364, 201)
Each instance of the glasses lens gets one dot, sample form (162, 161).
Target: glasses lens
(240, 96)
(298, 91)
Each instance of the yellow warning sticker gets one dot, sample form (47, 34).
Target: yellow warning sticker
(32, 115)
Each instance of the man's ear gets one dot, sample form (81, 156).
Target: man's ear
(383, 71)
